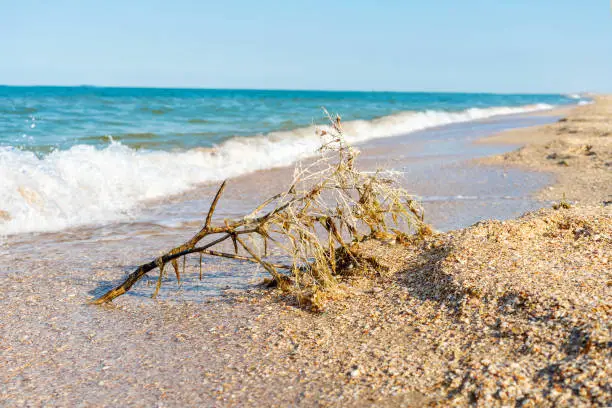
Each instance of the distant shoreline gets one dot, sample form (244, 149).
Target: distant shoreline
(577, 150)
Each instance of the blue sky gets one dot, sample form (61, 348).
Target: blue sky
(432, 45)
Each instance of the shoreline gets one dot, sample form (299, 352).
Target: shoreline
(499, 313)
(142, 176)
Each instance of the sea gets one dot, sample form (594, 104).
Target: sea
(75, 157)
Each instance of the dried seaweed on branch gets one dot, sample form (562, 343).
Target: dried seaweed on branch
(329, 206)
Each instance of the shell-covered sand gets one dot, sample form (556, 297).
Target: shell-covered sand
(501, 313)
(514, 313)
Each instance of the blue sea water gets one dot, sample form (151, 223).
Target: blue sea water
(72, 156)
(47, 118)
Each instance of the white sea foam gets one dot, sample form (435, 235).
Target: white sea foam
(85, 185)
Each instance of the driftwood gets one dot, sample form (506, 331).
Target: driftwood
(329, 205)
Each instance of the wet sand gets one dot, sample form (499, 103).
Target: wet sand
(461, 317)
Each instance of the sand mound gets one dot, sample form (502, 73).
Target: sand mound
(542, 285)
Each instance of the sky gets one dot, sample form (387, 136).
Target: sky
(406, 45)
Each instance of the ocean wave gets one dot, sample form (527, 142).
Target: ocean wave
(85, 185)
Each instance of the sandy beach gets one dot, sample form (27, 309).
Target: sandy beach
(501, 313)
(302, 204)
(577, 150)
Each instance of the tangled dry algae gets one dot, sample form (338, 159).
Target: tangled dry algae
(329, 205)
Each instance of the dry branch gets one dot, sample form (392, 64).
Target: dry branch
(329, 203)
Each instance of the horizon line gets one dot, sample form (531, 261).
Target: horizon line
(205, 88)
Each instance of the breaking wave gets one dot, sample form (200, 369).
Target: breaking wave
(84, 185)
